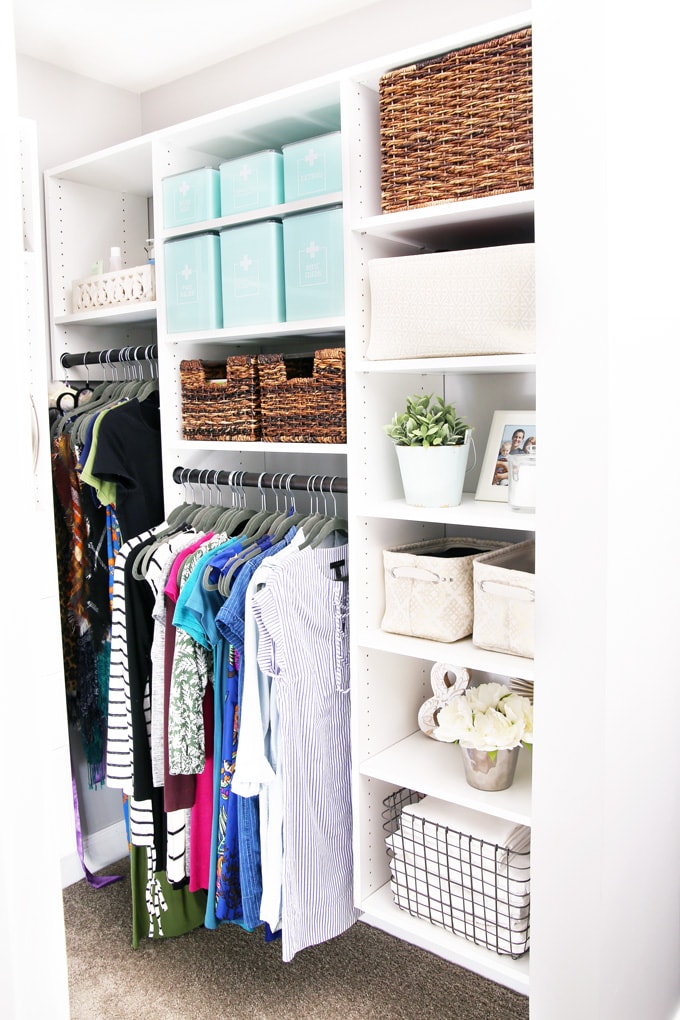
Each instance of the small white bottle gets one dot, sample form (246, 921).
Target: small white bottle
(115, 260)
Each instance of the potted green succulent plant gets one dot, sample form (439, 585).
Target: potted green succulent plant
(432, 444)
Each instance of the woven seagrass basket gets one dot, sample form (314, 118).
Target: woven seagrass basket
(458, 126)
(221, 400)
(302, 398)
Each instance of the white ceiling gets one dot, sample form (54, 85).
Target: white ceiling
(140, 44)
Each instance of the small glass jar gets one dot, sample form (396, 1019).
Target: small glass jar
(522, 481)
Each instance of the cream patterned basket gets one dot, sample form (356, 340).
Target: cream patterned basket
(134, 285)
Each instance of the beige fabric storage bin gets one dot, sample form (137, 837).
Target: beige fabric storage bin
(428, 587)
(504, 597)
(472, 302)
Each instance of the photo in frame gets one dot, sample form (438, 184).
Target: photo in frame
(510, 431)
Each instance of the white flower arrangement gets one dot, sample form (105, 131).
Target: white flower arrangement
(488, 718)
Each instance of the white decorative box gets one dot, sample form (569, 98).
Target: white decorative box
(471, 302)
(123, 287)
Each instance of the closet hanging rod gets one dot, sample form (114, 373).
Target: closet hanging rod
(148, 352)
(266, 480)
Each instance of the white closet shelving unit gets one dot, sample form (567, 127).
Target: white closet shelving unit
(251, 127)
(108, 199)
(391, 673)
(90, 205)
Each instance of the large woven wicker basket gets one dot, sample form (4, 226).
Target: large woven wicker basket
(458, 126)
(303, 397)
(221, 400)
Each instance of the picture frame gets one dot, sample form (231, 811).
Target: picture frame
(505, 425)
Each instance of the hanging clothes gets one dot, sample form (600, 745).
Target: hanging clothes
(82, 566)
(121, 439)
(229, 728)
(159, 907)
(230, 621)
(128, 455)
(197, 630)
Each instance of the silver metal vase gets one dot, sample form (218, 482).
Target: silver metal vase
(487, 772)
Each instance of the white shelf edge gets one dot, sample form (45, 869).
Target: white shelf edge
(499, 364)
(435, 768)
(380, 911)
(450, 214)
(271, 212)
(143, 312)
(271, 330)
(460, 653)
(470, 513)
(124, 167)
(258, 446)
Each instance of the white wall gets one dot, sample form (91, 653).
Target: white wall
(75, 115)
(33, 730)
(363, 35)
(606, 833)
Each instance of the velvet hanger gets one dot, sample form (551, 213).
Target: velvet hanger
(325, 525)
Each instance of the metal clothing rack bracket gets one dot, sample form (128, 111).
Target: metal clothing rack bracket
(253, 479)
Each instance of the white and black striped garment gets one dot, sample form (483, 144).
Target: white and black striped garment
(119, 753)
(119, 760)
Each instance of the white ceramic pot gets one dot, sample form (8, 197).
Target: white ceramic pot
(434, 475)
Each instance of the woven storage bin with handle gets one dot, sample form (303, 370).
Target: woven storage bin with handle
(221, 400)
(504, 599)
(303, 397)
(458, 126)
(428, 587)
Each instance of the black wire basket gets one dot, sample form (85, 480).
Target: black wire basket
(457, 881)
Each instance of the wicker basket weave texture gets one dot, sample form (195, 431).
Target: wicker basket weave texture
(303, 398)
(221, 401)
(458, 126)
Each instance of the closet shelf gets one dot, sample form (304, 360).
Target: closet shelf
(271, 212)
(380, 911)
(496, 364)
(191, 445)
(120, 315)
(435, 768)
(125, 167)
(508, 214)
(458, 653)
(254, 334)
(474, 513)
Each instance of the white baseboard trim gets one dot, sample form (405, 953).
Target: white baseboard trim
(100, 849)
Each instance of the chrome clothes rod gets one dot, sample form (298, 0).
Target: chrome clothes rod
(124, 355)
(275, 480)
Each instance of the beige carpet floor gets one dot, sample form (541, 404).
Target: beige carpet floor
(230, 973)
